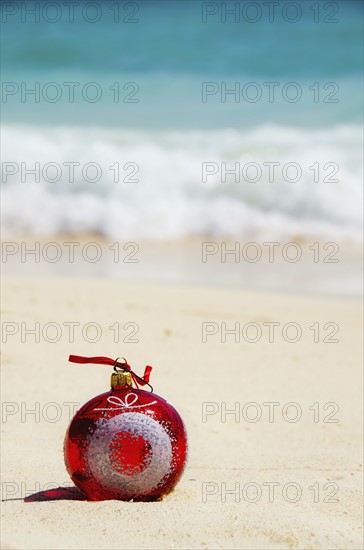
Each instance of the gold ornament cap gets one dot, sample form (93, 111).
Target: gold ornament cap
(121, 379)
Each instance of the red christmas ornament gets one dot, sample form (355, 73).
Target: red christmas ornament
(127, 443)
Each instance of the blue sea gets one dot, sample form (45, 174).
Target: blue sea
(169, 120)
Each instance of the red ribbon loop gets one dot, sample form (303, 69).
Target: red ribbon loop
(114, 363)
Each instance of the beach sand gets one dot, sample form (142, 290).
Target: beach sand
(293, 484)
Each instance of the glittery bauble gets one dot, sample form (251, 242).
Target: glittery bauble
(126, 444)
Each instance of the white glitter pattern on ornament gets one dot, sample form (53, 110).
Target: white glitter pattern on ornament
(99, 454)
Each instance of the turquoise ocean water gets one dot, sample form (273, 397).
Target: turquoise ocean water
(156, 99)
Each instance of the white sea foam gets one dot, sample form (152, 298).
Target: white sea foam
(170, 200)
